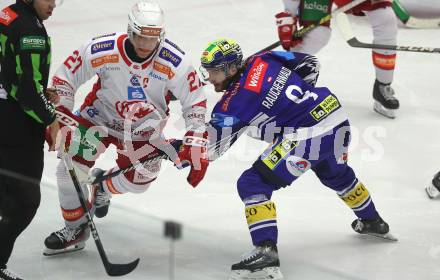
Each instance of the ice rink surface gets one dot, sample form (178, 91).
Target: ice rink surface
(395, 159)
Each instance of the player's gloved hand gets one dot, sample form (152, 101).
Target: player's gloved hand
(52, 95)
(286, 24)
(193, 151)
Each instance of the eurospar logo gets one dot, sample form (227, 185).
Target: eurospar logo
(255, 77)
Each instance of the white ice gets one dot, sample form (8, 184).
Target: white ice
(395, 159)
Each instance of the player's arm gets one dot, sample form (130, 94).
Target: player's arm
(223, 131)
(30, 55)
(286, 22)
(187, 88)
(76, 69)
(307, 66)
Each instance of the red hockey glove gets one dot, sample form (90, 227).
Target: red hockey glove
(286, 24)
(194, 152)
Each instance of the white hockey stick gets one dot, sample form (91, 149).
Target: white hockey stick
(413, 22)
(345, 27)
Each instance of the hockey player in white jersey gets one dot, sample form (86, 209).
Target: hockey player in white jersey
(138, 74)
(384, 26)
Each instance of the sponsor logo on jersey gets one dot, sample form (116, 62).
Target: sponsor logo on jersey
(315, 6)
(224, 120)
(136, 93)
(278, 152)
(92, 112)
(276, 88)
(328, 105)
(113, 58)
(134, 110)
(32, 43)
(255, 77)
(297, 166)
(155, 76)
(229, 95)
(134, 81)
(168, 55)
(159, 67)
(7, 15)
(103, 46)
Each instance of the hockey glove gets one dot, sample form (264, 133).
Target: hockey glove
(286, 24)
(194, 152)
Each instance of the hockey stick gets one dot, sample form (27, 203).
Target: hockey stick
(95, 180)
(111, 268)
(301, 32)
(413, 22)
(347, 32)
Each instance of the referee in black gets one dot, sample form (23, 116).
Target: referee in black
(25, 113)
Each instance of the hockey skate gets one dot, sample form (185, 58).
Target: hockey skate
(261, 263)
(384, 101)
(6, 274)
(101, 199)
(66, 240)
(376, 228)
(433, 190)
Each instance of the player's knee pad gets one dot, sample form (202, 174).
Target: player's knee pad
(260, 212)
(356, 196)
(135, 181)
(384, 24)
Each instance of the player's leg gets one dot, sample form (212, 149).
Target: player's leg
(384, 24)
(255, 186)
(19, 199)
(86, 150)
(134, 181)
(334, 172)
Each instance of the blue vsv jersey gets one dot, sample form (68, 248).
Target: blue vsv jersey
(273, 97)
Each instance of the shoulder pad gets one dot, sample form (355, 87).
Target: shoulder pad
(102, 36)
(166, 53)
(174, 45)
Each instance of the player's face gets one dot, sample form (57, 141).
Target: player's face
(44, 8)
(217, 78)
(144, 46)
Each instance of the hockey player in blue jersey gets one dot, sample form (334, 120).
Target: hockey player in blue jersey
(272, 95)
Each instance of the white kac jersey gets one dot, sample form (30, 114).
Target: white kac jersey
(129, 98)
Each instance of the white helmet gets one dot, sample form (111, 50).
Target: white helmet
(146, 19)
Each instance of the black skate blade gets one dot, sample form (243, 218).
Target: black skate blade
(50, 252)
(120, 269)
(386, 236)
(268, 273)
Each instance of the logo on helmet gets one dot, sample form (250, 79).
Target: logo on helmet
(151, 31)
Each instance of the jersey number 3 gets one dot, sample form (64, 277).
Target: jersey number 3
(296, 94)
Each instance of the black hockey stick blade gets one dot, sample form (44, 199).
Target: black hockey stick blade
(113, 269)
